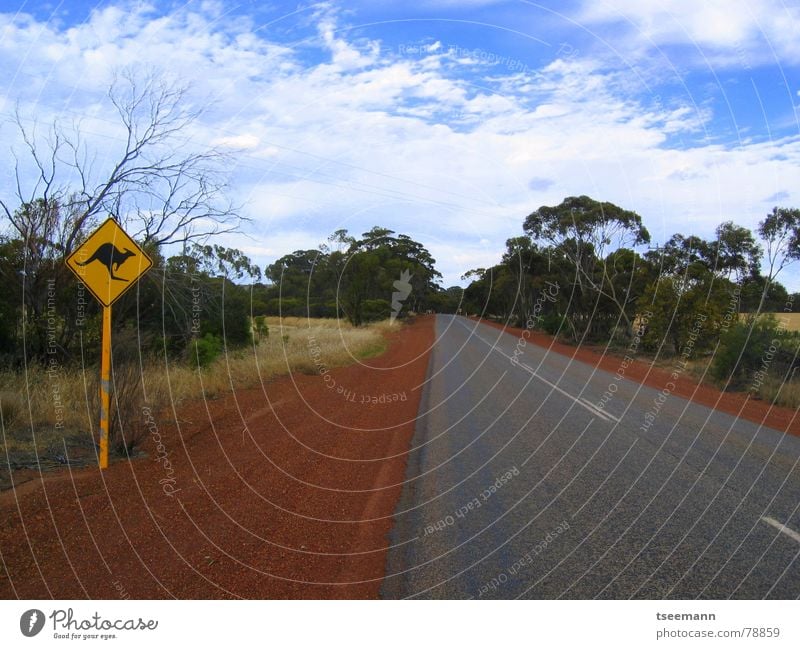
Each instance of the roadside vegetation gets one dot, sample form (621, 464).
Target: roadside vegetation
(587, 272)
(48, 417)
(379, 275)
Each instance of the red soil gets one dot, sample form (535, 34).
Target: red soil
(735, 403)
(285, 492)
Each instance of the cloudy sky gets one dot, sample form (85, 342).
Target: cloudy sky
(448, 120)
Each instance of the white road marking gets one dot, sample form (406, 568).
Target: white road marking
(788, 531)
(606, 415)
(581, 402)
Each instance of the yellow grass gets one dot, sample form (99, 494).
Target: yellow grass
(780, 393)
(41, 408)
(790, 320)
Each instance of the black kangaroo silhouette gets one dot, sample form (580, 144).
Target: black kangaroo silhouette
(112, 258)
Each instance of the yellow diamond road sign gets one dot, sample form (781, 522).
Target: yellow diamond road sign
(109, 262)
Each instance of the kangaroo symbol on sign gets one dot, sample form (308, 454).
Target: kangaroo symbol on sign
(112, 258)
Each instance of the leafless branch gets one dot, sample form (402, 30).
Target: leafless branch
(156, 166)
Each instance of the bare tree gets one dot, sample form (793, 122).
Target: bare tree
(158, 183)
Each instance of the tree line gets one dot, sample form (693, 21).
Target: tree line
(206, 298)
(376, 276)
(607, 275)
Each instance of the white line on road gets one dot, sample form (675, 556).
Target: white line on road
(581, 402)
(605, 415)
(788, 531)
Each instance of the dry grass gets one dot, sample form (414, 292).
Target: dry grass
(288, 348)
(777, 392)
(694, 368)
(773, 390)
(42, 411)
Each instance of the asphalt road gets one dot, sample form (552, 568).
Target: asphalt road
(519, 486)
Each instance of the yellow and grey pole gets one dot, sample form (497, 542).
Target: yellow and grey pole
(105, 387)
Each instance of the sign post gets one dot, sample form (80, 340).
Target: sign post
(105, 387)
(108, 263)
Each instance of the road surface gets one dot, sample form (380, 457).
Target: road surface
(520, 484)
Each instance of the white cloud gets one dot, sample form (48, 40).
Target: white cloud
(343, 54)
(744, 32)
(243, 141)
(461, 4)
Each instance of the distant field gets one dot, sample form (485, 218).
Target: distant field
(790, 320)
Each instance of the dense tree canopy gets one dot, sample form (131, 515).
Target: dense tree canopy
(355, 278)
(689, 286)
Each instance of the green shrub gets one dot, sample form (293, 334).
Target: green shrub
(260, 326)
(375, 310)
(207, 349)
(750, 351)
(552, 323)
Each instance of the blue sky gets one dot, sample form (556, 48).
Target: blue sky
(446, 120)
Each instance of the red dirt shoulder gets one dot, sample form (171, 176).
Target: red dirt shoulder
(282, 492)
